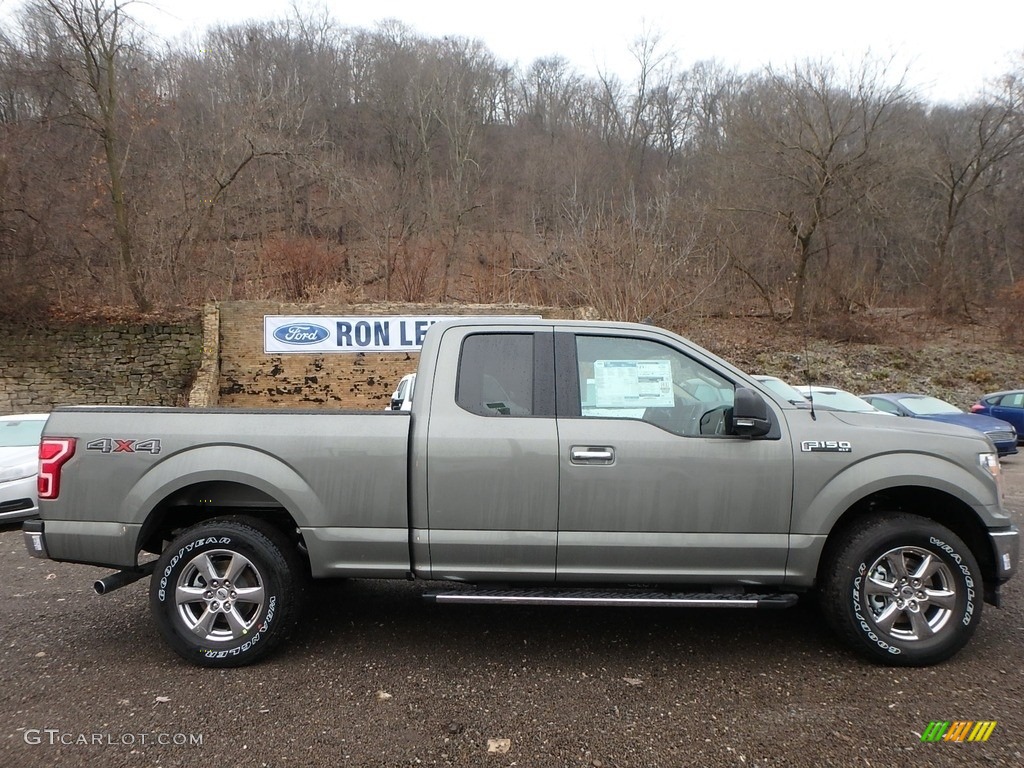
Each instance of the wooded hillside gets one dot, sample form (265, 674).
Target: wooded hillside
(303, 159)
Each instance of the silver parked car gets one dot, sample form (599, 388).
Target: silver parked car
(19, 464)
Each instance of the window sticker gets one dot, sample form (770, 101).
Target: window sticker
(633, 384)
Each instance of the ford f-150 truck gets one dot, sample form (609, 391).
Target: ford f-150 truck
(543, 462)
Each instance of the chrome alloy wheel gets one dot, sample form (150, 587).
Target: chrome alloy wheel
(910, 593)
(219, 595)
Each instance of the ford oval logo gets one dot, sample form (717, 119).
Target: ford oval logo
(301, 333)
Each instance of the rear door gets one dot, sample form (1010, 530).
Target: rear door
(492, 466)
(651, 487)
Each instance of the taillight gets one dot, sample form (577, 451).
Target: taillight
(53, 452)
(977, 407)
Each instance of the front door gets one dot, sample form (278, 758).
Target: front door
(652, 489)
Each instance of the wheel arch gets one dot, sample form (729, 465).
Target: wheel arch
(214, 481)
(207, 500)
(926, 502)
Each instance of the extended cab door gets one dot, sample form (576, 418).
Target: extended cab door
(652, 489)
(491, 456)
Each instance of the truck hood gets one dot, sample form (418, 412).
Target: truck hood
(18, 454)
(18, 463)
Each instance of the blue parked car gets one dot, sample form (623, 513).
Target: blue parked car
(1000, 432)
(1008, 406)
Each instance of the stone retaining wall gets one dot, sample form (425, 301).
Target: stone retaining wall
(214, 360)
(77, 364)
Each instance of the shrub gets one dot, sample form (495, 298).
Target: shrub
(299, 267)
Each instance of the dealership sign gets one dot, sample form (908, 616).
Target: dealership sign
(315, 334)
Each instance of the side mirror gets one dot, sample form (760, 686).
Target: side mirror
(395, 404)
(750, 416)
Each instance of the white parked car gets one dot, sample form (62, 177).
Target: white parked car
(19, 465)
(836, 399)
(787, 391)
(401, 398)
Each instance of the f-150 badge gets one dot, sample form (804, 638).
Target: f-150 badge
(826, 446)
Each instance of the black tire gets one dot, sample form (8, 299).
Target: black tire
(212, 620)
(902, 590)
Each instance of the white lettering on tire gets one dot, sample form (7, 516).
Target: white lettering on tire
(968, 578)
(864, 625)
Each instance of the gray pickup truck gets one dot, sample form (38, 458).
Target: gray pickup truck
(543, 462)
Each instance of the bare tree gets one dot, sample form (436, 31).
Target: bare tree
(969, 150)
(96, 36)
(815, 143)
(634, 116)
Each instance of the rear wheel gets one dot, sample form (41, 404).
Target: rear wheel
(903, 590)
(226, 592)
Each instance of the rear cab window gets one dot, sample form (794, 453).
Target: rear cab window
(496, 375)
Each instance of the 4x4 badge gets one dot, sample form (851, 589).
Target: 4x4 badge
(116, 445)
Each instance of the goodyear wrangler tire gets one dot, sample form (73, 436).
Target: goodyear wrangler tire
(903, 591)
(225, 593)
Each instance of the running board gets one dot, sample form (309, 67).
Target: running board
(614, 597)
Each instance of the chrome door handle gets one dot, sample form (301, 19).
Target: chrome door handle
(591, 455)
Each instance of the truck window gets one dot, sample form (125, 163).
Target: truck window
(496, 374)
(627, 378)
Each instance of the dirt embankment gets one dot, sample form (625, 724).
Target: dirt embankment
(888, 351)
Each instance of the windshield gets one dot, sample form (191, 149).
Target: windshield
(20, 433)
(928, 406)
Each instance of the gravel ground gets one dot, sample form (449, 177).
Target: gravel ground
(376, 677)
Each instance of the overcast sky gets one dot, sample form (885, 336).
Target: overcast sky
(951, 47)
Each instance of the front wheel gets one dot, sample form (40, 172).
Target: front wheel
(225, 592)
(903, 590)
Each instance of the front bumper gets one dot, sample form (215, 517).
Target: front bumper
(1005, 543)
(1006, 547)
(1006, 447)
(18, 499)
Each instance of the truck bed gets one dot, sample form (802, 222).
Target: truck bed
(342, 475)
